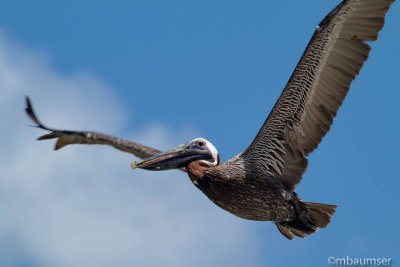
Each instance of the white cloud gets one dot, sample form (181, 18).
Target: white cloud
(82, 205)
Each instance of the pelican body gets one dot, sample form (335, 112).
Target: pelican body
(259, 183)
(239, 189)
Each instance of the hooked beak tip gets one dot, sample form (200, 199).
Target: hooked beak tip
(133, 165)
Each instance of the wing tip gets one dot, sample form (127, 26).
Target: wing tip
(29, 110)
(31, 113)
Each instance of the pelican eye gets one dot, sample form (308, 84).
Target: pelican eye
(201, 143)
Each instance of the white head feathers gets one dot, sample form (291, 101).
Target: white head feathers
(207, 144)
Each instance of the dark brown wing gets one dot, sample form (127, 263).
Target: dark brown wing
(89, 138)
(305, 110)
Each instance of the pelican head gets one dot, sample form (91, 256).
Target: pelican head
(198, 149)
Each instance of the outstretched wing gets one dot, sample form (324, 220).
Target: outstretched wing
(89, 138)
(305, 110)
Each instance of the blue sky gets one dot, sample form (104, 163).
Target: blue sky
(162, 73)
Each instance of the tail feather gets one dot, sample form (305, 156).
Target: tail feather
(285, 231)
(321, 213)
(315, 216)
(298, 233)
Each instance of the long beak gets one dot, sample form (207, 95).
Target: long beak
(175, 158)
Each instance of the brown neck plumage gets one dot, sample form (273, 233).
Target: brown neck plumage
(195, 170)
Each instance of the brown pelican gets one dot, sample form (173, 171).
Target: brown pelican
(259, 183)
